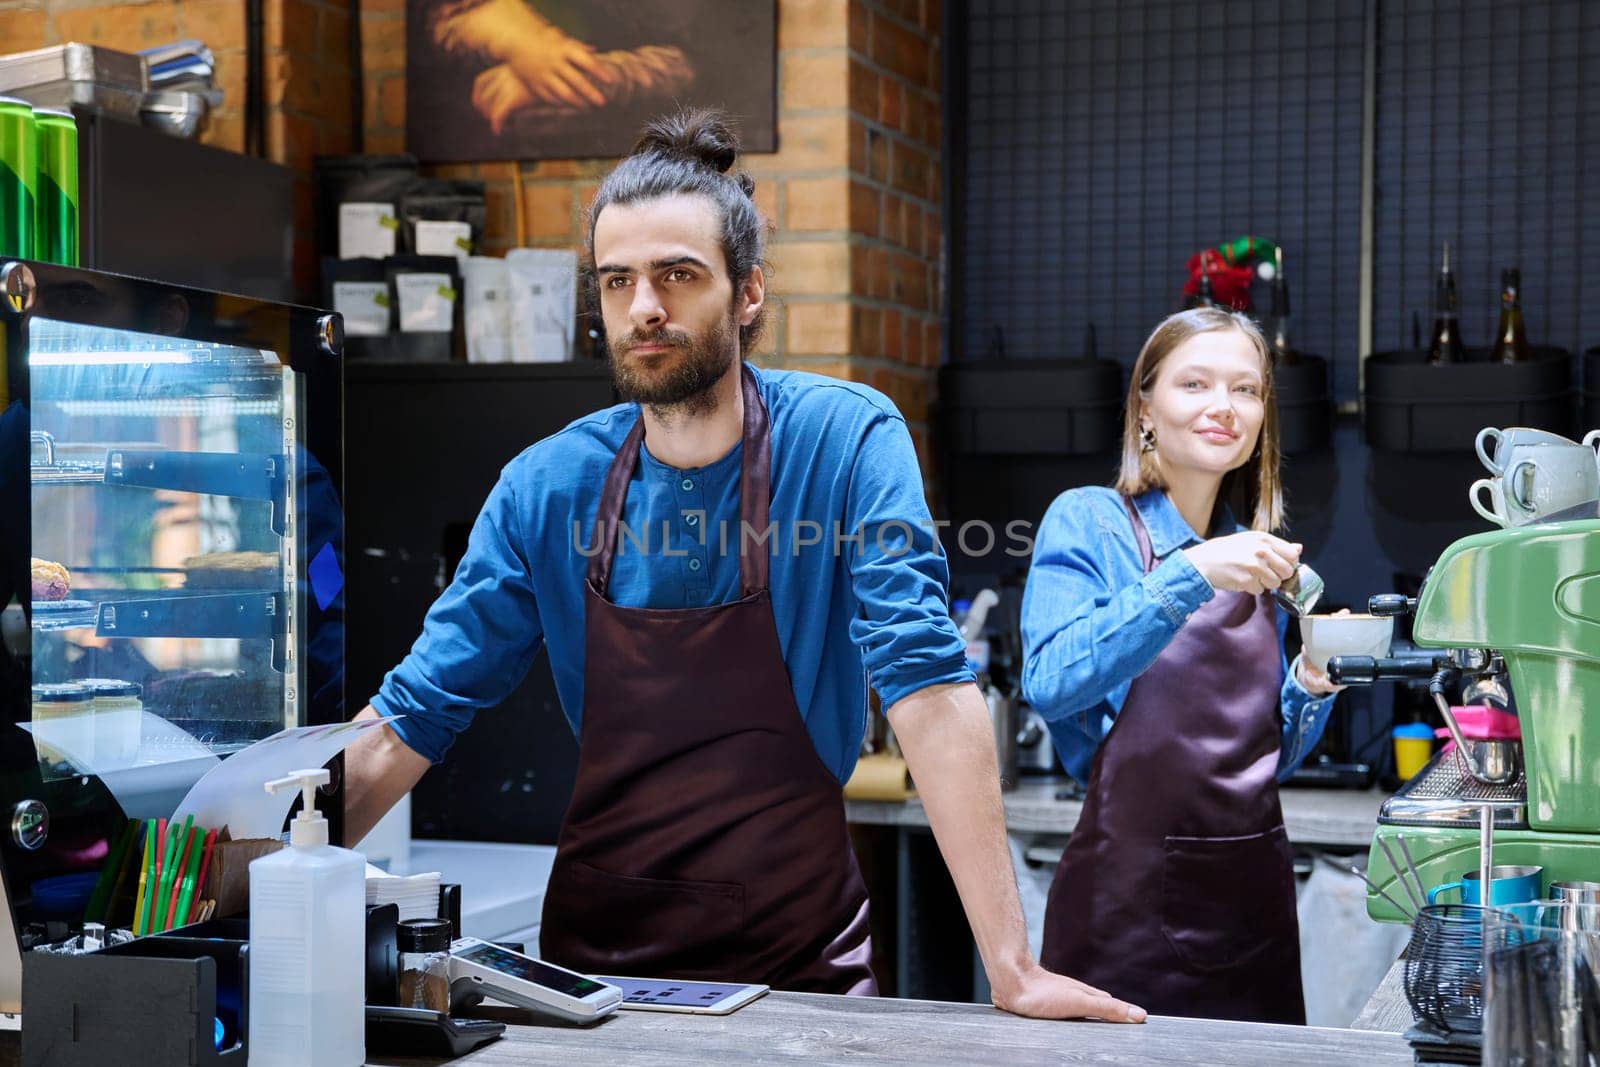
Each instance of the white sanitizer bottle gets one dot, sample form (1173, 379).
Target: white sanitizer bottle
(307, 989)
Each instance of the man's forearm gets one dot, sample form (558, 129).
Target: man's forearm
(379, 769)
(948, 742)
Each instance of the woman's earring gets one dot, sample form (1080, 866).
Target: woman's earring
(1147, 439)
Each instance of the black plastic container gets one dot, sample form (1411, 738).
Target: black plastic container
(1305, 407)
(357, 178)
(1031, 407)
(1589, 398)
(156, 1000)
(1414, 406)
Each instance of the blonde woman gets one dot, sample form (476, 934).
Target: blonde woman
(1155, 653)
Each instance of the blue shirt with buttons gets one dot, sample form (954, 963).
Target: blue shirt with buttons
(858, 578)
(1093, 621)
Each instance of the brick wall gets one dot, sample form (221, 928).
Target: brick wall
(129, 27)
(305, 78)
(852, 192)
(896, 235)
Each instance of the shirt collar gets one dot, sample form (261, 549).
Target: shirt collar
(714, 471)
(1167, 527)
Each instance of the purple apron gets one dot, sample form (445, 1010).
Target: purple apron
(1176, 890)
(705, 838)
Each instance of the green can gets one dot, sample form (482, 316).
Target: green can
(55, 239)
(19, 175)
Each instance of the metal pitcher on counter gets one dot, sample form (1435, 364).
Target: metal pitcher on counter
(1003, 716)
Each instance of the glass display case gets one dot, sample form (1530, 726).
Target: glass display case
(170, 530)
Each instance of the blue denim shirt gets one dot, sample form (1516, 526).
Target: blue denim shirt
(858, 578)
(1092, 621)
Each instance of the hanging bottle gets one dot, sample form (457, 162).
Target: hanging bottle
(1278, 340)
(1511, 337)
(1446, 344)
(1204, 298)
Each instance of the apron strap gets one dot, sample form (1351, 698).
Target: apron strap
(755, 488)
(1141, 535)
(608, 514)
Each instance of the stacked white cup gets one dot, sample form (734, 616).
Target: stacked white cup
(1536, 474)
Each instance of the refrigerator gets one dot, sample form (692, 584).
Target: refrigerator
(171, 565)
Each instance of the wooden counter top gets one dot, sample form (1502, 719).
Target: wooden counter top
(817, 1030)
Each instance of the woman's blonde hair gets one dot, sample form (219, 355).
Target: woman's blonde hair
(1255, 490)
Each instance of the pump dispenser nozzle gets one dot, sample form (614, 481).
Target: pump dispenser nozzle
(309, 828)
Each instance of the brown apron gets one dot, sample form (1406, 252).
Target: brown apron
(1176, 890)
(705, 838)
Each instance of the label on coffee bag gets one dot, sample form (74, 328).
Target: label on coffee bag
(443, 238)
(365, 307)
(427, 302)
(366, 230)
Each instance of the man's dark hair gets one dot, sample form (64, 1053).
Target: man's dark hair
(692, 151)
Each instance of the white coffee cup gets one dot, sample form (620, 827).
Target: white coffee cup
(1495, 509)
(1325, 636)
(1496, 456)
(1540, 479)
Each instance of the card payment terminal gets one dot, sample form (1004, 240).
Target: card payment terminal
(477, 966)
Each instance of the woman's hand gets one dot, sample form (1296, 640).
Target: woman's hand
(1312, 680)
(1248, 562)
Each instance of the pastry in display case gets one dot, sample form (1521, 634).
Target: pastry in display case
(170, 482)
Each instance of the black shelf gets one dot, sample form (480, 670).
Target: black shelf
(1031, 407)
(1414, 406)
(372, 370)
(1305, 404)
(185, 614)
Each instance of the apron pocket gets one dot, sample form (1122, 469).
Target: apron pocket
(626, 917)
(1226, 900)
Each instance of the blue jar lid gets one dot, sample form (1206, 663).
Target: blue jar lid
(109, 687)
(63, 693)
(1414, 729)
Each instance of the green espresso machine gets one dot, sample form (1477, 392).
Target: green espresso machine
(1517, 607)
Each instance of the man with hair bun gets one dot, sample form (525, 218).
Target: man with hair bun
(713, 654)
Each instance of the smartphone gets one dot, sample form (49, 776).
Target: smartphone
(696, 998)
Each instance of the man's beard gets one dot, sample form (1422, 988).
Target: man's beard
(686, 372)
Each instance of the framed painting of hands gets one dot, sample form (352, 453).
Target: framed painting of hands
(563, 79)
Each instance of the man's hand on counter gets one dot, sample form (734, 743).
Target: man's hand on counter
(945, 734)
(1042, 994)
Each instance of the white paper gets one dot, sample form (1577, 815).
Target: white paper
(434, 238)
(233, 793)
(366, 230)
(544, 285)
(416, 896)
(427, 302)
(487, 281)
(145, 761)
(365, 307)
